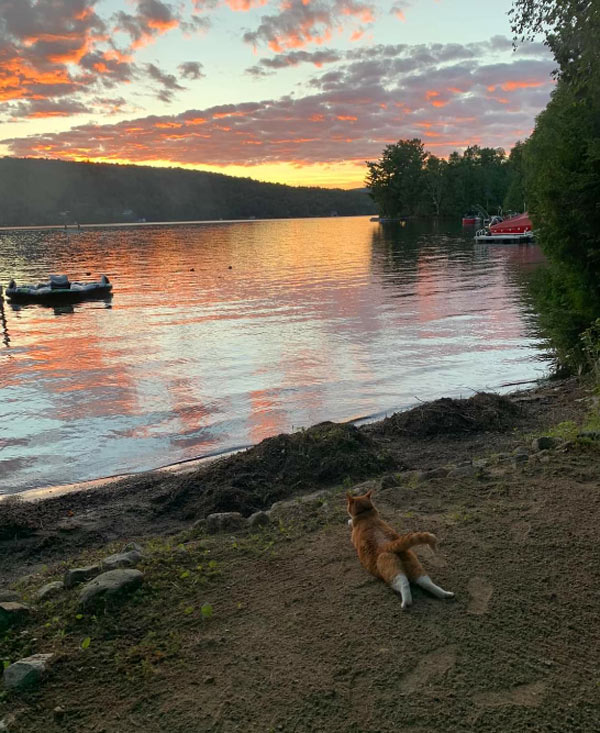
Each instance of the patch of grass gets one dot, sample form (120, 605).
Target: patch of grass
(460, 516)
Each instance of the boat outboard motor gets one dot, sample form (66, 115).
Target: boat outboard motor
(12, 284)
(59, 282)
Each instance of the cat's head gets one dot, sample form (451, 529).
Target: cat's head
(359, 504)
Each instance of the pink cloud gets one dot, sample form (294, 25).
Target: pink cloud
(299, 23)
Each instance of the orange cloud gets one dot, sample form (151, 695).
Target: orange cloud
(245, 5)
(511, 86)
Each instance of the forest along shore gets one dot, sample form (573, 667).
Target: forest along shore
(274, 625)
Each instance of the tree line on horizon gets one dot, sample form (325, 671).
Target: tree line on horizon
(408, 181)
(38, 191)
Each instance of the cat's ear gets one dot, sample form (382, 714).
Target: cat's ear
(368, 494)
(349, 496)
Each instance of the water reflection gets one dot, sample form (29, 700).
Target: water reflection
(220, 335)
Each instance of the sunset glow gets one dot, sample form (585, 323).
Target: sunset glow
(292, 91)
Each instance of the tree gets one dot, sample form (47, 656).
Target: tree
(396, 181)
(436, 181)
(515, 199)
(571, 29)
(561, 167)
(562, 174)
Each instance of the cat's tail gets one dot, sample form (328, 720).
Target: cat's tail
(406, 541)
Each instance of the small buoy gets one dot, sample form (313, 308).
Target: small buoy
(230, 267)
(88, 273)
(192, 269)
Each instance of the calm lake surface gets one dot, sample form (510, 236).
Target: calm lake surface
(316, 319)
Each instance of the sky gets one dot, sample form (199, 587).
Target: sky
(290, 91)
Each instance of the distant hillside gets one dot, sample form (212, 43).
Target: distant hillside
(39, 191)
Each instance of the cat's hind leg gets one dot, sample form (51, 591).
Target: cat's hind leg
(427, 584)
(401, 585)
(391, 570)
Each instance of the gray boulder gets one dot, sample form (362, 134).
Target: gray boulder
(49, 590)
(133, 546)
(589, 434)
(258, 519)
(389, 481)
(110, 585)
(9, 595)
(26, 672)
(12, 613)
(122, 560)
(75, 576)
(225, 522)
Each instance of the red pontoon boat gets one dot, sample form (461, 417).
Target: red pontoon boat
(515, 229)
(471, 220)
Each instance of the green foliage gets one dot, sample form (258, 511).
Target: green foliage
(571, 29)
(559, 170)
(565, 309)
(36, 191)
(406, 180)
(397, 180)
(590, 344)
(563, 183)
(516, 199)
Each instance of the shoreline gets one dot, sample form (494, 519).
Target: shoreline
(72, 228)
(179, 467)
(433, 436)
(186, 465)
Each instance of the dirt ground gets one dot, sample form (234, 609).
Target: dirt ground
(298, 637)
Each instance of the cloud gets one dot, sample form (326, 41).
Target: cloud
(191, 70)
(152, 19)
(398, 10)
(168, 82)
(302, 22)
(402, 56)
(38, 43)
(294, 58)
(40, 108)
(53, 50)
(353, 113)
(357, 101)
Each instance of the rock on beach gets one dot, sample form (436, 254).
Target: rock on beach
(109, 585)
(26, 672)
(12, 613)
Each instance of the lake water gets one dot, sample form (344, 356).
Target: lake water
(219, 335)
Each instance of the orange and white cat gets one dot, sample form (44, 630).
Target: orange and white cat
(386, 554)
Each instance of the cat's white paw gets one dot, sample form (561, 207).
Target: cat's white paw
(405, 605)
(448, 594)
(350, 522)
